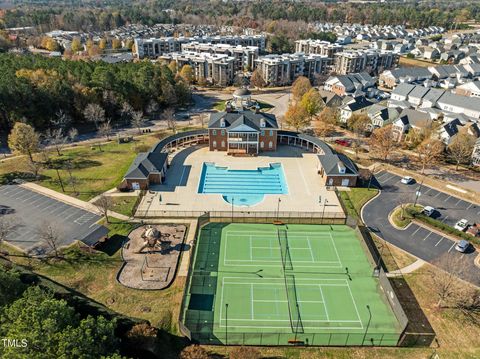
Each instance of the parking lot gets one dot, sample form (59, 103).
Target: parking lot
(34, 210)
(417, 240)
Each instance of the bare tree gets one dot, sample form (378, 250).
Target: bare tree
(126, 112)
(72, 180)
(50, 235)
(104, 204)
(137, 120)
(382, 141)
(428, 152)
(94, 113)
(62, 120)
(56, 139)
(105, 130)
(34, 167)
(72, 134)
(168, 115)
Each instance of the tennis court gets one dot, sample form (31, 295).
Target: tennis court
(270, 285)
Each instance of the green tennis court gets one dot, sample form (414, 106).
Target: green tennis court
(270, 285)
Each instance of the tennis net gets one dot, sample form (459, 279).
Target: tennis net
(293, 307)
(284, 249)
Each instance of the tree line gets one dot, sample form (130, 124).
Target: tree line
(42, 91)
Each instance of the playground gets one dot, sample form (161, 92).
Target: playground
(151, 256)
(261, 284)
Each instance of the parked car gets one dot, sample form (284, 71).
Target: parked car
(344, 142)
(461, 225)
(407, 180)
(462, 246)
(428, 211)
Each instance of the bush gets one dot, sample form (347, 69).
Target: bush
(194, 352)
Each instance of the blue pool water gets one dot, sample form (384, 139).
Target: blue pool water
(243, 187)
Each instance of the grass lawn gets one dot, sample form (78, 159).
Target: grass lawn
(124, 204)
(393, 257)
(94, 170)
(94, 275)
(354, 199)
(404, 220)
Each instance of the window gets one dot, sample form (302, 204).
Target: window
(223, 132)
(261, 144)
(214, 132)
(223, 143)
(214, 143)
(270, 144)
(263, 133)
(271, 132)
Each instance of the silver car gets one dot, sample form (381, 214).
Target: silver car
(462, 246)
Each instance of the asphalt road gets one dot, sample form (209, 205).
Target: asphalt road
(419, 241)
(33, 210)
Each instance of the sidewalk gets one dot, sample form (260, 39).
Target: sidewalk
(70, 200)
(408, 269)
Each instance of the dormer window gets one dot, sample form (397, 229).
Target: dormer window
(262, 123)
(222, 123)
(341, 168)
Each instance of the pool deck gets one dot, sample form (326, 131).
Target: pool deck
(180, 191)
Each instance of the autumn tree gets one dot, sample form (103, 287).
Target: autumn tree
(382, 141)
(312, 102)
(194, 352)
(461, 148)
(300, 87)
(357, 123)
(297, 117)
(23, 140)
(76, 44)
(325, 122)
(173, 67)
(257, 79)
(116, 44)
(187, 74)
(428, 152)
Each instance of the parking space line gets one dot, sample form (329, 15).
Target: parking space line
(429, 233)
(456, 204)
(415, 231)
(471, 204)
(441, 239)
(437, 194)
(443, 220)
(453, 245)
(446, 199)
(429, 189)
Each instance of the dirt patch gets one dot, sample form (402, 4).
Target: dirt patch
(151, 256)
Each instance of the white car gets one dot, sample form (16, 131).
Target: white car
(461, 225)
(428, 210)
(407, 180)
(462, 246)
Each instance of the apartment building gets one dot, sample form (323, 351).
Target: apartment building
(351, 61)
(244, 56)
(155, 47)
(217, 69)
(279, 70)
(318, 47)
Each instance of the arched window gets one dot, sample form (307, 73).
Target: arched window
(223, 143)
(270, 144)
(261, 144)
(214, 143)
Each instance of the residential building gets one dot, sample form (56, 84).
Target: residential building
(147, 168)
(408, 120)
(381, 116)
(278, 70)
(349, 84)
(241, 131)
(217, 69)
(317, 47)
(360, 105)
(391, 78)
(352, 61)
(330, 99)
(471, 88)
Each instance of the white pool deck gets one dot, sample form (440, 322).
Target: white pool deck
(180, 190)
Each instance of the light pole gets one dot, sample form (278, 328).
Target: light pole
(324, 205)
(418, 193)
(233, 200)
(278, 208)
(368, 324)
(371, 176)
(226, 324)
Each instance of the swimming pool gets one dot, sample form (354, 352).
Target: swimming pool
(243, 187)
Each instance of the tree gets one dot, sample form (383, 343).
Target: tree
(126, 112)
(297, 117)
(187, 74)
(168, 115)
(173, 67)
(8, 224)
(34, 167)
(56, 139)
(94, 113)
(62, 120)
(461, 148)
(358, 123)
(23, 140)
(257, 79)
(312, 102)
(300, 87)
(104, 204)
(382, 141)
(105, 130)
(137, 120)
(194, 352)
(11, 286)
(428, 152)
(49, 234)
(322, 129)
(116, 44)
(72, 134)
(76, 44)
(102, 44)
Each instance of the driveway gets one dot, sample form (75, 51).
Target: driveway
(33, 210)
(417, 240)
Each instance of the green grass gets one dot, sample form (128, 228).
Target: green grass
(403, 220)
(124, 205)
(356, 198)
(95, 170)
(263, 310)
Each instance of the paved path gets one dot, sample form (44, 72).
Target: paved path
(417, 240)
(408, 269)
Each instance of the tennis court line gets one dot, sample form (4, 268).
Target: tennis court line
(324, 303)
(310, 248)
(336, 251)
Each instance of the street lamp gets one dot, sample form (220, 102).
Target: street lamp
(233, 200)
(324, 205)
(418, 193)
(278, 208)
(368, 324)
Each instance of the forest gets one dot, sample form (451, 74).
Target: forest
(35, 89)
